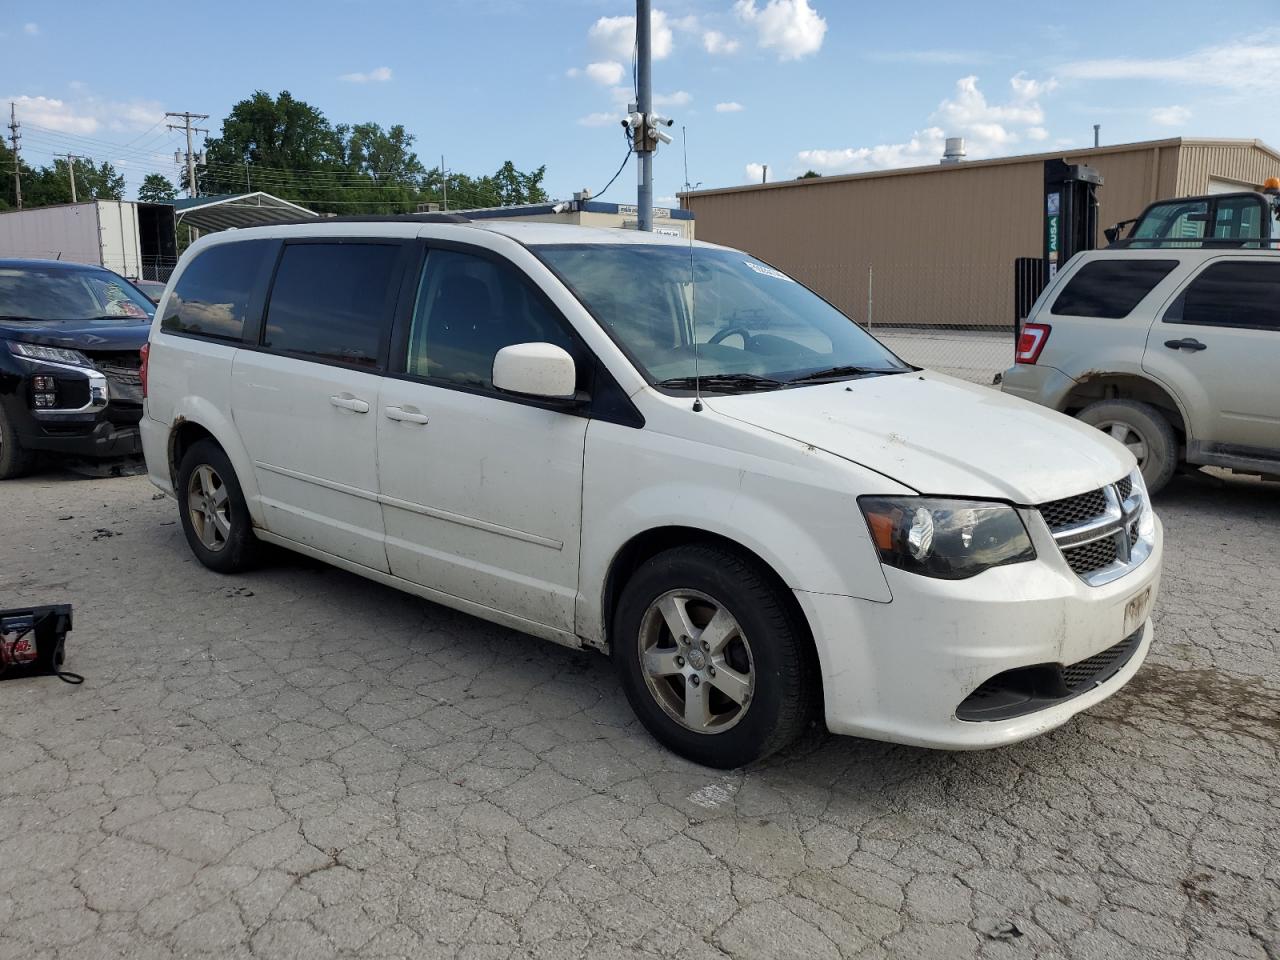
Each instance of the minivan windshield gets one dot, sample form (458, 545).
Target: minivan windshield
(60, 293)
(755, 327)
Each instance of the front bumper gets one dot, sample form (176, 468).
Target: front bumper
(110, 432)
(898, 671)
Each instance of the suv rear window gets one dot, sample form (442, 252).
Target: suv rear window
(1232, 294)
(333, 301)
(1110, 289)
(213, 294)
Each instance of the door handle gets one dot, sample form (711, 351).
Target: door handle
(1186, 343)
(347, 402)
(405, 415)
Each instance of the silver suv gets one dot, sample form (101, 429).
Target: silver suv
(1175, 352)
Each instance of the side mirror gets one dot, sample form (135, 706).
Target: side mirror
(535, 370)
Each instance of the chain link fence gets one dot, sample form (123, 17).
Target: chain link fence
(953, 318)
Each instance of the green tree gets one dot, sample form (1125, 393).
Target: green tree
(156, 189)
(94, 181)
(810, 175)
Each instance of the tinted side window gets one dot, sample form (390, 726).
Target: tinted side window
(333, 301)
(1232, 294)
(1110, 288)
(468, 309)
(214, 293)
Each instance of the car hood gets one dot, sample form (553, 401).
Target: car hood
(939, 435)
(109, 333)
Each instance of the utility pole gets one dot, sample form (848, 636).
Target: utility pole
(71, 173)
(764, 173)
(186, 119)
(644, 106)
(14, 137)
(444, 183)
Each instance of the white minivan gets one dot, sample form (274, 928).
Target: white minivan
(671, 452)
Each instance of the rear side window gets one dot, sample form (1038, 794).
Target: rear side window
(1232, 294)
(212, 297)
(1110, 289)
(333, 301)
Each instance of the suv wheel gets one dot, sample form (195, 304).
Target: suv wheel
(15, 460)
(214, 515)
(711, 658)
(1144, 430)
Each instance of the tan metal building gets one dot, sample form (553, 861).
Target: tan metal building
(936, 244)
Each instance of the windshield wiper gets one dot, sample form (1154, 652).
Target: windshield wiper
(841, 372)
(723, 381)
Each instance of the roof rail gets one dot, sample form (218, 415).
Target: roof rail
(1153, 243)
(381, 218)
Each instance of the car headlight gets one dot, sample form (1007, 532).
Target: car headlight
(1146, 516)
(38, 351)
(947, 539)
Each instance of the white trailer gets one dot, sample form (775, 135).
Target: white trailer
(102, 232)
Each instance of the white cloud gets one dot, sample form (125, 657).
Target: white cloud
(681, 98)
(1247, 64)
(792, 27)
(31, 29)
(376, 75)
(87, 116)
(754, 172)
(615, 37)
(716, 43)
(731, 107)
(605, 72)
(989, 129)
(602, 119)
(1171, 116)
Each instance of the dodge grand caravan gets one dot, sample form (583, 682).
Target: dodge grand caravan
(674, 453)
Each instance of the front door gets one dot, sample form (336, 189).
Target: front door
(306, 401)
(1218, 345)
(481, 492)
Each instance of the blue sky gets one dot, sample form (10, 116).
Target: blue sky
(795, 84)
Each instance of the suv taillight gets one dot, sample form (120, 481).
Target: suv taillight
(1031, 342)
(142, 368)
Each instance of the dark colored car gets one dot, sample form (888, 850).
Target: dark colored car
(151, 288)
(70, 377)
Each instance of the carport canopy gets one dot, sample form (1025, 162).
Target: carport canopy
(223, 211)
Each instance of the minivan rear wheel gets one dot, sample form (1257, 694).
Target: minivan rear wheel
(1144, 430)
(711, 657)
(214, 515)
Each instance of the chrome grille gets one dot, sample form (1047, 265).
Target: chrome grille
(1098, 531)
(1091, 556)
(1063, 513)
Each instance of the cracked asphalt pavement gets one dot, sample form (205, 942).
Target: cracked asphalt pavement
(300, 763)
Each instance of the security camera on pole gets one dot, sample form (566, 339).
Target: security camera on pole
(644, 124)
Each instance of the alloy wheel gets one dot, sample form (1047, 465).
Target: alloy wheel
(209, 507)
(1129, 435)
(696, 661)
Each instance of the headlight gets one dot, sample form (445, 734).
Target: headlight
(1146, 516)
(37, 351)
(947, 539)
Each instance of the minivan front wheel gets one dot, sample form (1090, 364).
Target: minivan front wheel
(711, 658)
(1144, 430)
(214, 515)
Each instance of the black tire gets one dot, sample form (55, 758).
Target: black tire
(1150, 425)
(239, 548)
(15, 459)
(781, 657)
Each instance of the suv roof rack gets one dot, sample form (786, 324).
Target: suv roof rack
(381, 218)
(1191, 243)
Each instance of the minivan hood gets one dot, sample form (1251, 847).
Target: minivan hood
(940, 435)
(108, 333)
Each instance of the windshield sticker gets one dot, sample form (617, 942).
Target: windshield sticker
(764, 271)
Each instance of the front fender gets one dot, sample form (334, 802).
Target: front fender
(800, 516)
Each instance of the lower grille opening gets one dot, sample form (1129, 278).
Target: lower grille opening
(1024, 690)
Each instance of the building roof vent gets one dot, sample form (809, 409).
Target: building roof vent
(954, 151)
